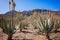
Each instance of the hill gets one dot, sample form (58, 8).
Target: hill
(30, 12)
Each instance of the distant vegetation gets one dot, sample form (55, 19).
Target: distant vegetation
(45, 23)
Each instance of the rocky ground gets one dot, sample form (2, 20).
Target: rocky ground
(29, 34)
(3, 36)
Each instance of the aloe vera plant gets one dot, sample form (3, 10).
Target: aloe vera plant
(22, 26)
(47, 27)
(57, 25)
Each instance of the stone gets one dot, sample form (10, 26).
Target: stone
(40, 37)
(1, 30)
(3, 36)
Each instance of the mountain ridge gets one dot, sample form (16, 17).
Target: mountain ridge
(30, 12)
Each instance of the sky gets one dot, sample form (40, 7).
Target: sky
(30, 5)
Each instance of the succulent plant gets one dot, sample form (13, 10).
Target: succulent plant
(47, 24)
(7, 28)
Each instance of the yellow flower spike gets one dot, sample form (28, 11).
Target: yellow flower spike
(34, 14)
(49, 14)
(13, 4)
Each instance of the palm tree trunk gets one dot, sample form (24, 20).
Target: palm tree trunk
(10, 36)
